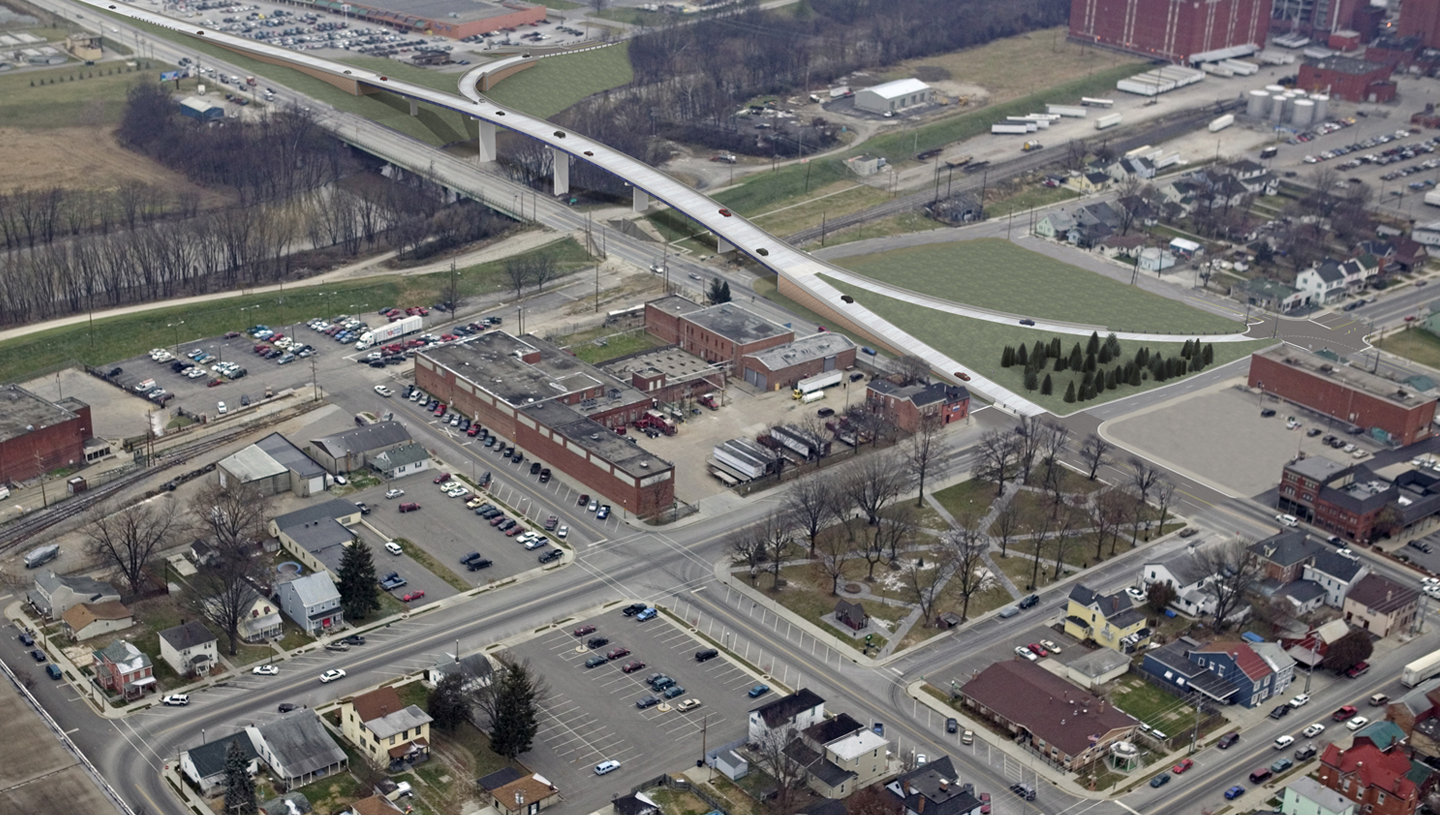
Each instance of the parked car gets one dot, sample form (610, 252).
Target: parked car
(758, 691)
(332, 675)
(176, 700)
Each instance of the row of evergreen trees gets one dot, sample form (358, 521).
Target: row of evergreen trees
(1095, 379)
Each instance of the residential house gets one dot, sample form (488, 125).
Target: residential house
(1268, 294)
(1337, 573)
(93, 619)
(296, 748)
(1417, 714)
(313, 603)
(1055, 225)
(189, 649)
(1381, 606)
(1383, 734)
(1284, 556)
(1154, 259)
(124, 669)
(1322, 283)
(1138, 166)
(797, 711)
(401, 461)
(353, 449)
(912, 406)
(1171, 666)
(1189, 576)
(1409, 256)
(524, 795)
(935, 789)
(475, 670)
(1114, 621)
(1376, 780)
(1310, 648)
(840, 756)
(852, 615)
(318, 534)
(1254, 177)
(1117, 245)
(1427, 234)
(389, 734)
(54, 594)
(205, 765)
(261, 619)
(1256, 678)
(1186, 248)
(1306, 796)
(1086, 183)
(1064, 723)
(1182, 194)
(1222, 192)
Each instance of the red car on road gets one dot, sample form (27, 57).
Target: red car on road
(1184, 765)
(414, 595)
(984, 803)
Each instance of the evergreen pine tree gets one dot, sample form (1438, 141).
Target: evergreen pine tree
(1032, 379)
(1087, 393)
(1186, 349)
(516, 710)
(447, 705)
(725, 291)
(1196, 362)
(1093, 346)
(239, 786)
(1104, 354)
(1086, 381)
(1099, 382)
(1054, 347)
(1134, 378)
(358, 586)
(1077, 360)
(1046, 386)
(1090, 362)
(1209, 354)
(1007, 357)
(1039, 355)
(1112, 379)
(1113, 343)
(1070, 392)
(1022, 357)
(1060, 364)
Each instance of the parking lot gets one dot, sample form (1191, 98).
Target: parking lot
(591, 715)
(1225, 441)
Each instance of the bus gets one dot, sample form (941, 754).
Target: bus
(1420, 670)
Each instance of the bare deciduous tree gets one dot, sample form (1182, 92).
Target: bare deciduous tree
(1029, 435)
(232, 520)
(127, 538)
(1237, 574)
(1096, 454)
(813, 503)
(1007, 524)
(927, 574)
(912, 370)
(994, 455)
(1164, 498)
(1143, 477)
(833, 553)
(747, 547)
(967, 552)
(925, 448)
(787, 773)
(775, 531)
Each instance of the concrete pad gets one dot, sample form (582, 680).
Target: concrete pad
(37, 774)
(114, 414)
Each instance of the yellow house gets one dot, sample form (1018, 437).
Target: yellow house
(1088, 183)
(389, 734)
(1115, 621)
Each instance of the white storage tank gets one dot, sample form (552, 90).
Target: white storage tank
(1257, 104)
(1302, 113)
(1274, 89)
(1322, 106)
(1277, 107)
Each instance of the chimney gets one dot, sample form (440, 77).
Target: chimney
(944, 784)
(906, 785)
(920, 807)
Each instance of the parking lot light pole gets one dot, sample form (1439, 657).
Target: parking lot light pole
(176, 326)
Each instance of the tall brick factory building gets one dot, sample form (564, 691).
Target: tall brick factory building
(37, 435)
(1167, 29)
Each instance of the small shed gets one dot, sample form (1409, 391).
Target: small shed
(851, 614)
(731, 764)
(201, 110)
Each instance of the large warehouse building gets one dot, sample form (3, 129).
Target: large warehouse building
(444, 18)
(1345, 393)
(37, 435)
(557, 409)
(1165, 29)
(1354, 80)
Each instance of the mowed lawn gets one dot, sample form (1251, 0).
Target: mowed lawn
(556, 83)
(79, 96)
(994, 274)
(977, 345)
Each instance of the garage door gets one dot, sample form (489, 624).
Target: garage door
(754, 377)
(317, 485)
(830, 363)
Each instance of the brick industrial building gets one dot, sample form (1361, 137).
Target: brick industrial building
(1357, 502)
(782, 366)
(1345, 393)
(911, 406)
(1420, 18)
(1165, 29)
(722, 333)
(1353, 80)
(556, 408)
(445, 18)
(37, 435)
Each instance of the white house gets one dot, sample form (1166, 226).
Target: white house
(189, 648)
(1155, 259)
(262, 619)
(797, 711)
(1321, 283)
(1188, 576)
(205, 765)
(296, 747)
(1337, 574)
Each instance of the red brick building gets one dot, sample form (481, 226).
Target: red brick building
(910, 406)
(558, 409)
(1170, 30)
(1344, 392)
(1347, 78)
(37, 435)
(1358, 503)
(1374, 779)
(724, 333)
(1420, 18)
(782, 366)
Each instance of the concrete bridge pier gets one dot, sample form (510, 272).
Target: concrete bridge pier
(723, 246)
(414, 108)
(486, 140)
(562, 171)
(640, 199)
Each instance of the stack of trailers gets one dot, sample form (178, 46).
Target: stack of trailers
(1160, 80)
(740, 460)
(1241, 67)
(1009, 128)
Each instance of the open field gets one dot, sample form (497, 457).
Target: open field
(1029, 198)
(787, 185)
(446, 81)
(978, 344)
(1417, 345)
(84, 158)
(556, 83)
(902, 224)
(70, 95)
(124, 336)
(840, 198)
(995, 274)
(1019, 65)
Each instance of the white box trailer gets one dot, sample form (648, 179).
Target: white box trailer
(1241, 67)
(1221, 123)
(1040, 124)
(399, 328)
(1092, 102)
(1433, 198)
(1217, 69)
(1109, 120)
(1070, 111)
(1012, 128)
(817, 382)
(1166, 161)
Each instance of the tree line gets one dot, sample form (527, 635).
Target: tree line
(1094, 379)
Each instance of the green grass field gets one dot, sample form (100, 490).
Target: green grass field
(995, 274)
(977, 344)
(764, 192)
(117, 338)
(556, 83)
(80, 95)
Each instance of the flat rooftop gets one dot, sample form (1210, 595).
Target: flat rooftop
(1350, 376)
(815, 346)
(493, 361)
(736, 324)
(675, 304)
(598, 440)
(22, 412)
(463, 10)
(673, 362)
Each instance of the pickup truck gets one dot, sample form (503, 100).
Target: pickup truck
(1343, 713)
(392, 581)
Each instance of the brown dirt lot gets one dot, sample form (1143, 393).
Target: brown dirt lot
(1016, 66)
(83, 158)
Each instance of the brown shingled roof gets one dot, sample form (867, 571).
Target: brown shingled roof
(1054, 710)
(377, 703)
